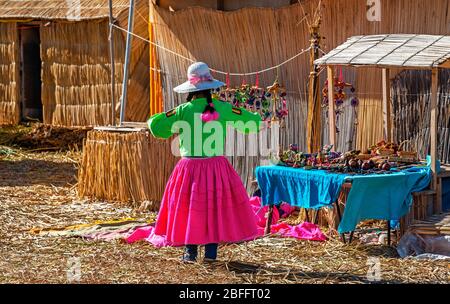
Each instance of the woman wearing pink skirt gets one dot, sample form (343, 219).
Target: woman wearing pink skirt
(205, 202)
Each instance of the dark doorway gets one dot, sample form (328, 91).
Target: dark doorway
(30, 71)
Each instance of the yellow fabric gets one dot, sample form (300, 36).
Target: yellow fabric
(82, 226)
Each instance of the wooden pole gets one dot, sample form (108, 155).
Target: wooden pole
(269, 220)
(331, 113)
(113, 68)
(434, 136)
(126, 66)
(314, 128)
(387, 123)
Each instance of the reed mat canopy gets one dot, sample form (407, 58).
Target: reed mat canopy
(60, 9)
(393, 50)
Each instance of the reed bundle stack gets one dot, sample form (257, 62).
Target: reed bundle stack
(128, 167)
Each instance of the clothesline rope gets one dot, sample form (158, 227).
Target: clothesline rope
(244, 74)
(214, 70)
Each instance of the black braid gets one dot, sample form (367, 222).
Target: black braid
(209, 107)
(206, 94)
(190, 96)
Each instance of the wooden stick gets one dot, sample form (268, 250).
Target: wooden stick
(269, 220)
(331, 114)
(316, 216)
(389, 232)
(434, 134)
(314, 104)
(387, 125)
(113, 70)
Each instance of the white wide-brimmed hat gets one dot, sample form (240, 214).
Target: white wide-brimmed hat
(199, 79)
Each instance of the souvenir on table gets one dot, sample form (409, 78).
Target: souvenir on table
(350, 162)
(296, 159)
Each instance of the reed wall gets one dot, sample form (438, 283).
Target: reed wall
(76, 77)
(76, 68)
(411, 107)
(9, 74)
(76, 74)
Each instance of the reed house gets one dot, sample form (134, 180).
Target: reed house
(55, 65)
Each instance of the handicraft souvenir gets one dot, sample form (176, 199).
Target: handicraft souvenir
(270, 103)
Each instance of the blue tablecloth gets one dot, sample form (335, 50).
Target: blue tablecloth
(298, 187)
(375, 196)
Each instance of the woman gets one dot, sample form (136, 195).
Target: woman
(205, 202)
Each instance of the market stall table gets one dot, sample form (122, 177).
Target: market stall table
(372, 196)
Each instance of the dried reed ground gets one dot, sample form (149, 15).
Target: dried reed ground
(37, 190)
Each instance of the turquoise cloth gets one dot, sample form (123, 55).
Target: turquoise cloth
(374, 196)
(298, 187)
(383, 197)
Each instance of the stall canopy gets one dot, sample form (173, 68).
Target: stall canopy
(405, 51)
(394, 50)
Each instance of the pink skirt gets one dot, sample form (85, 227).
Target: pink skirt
(205, 202)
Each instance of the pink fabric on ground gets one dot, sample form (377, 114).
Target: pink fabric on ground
(205, 202)
(303, 231)
(140, 234)
(287, 209)
(260, 212)
(147, 234)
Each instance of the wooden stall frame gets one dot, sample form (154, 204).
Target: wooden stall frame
(387, 125)
(411, 62)
(436, 56)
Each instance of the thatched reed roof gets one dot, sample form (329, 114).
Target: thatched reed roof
(60, 9)
(400, 50)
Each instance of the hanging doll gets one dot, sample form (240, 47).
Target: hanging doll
(205, 202)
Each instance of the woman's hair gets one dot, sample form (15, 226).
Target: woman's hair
(209, 113)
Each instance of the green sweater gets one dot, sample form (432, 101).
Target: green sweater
(197, 138)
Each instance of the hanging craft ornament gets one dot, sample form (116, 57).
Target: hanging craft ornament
(271, 103)
(279, 105)
(340, 95)
(256, 81)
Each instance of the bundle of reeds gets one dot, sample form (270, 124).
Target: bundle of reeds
(129, 167)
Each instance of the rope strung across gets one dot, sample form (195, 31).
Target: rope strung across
(214, 70)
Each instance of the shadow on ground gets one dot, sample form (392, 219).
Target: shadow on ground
(36, 172)
(295, 274)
